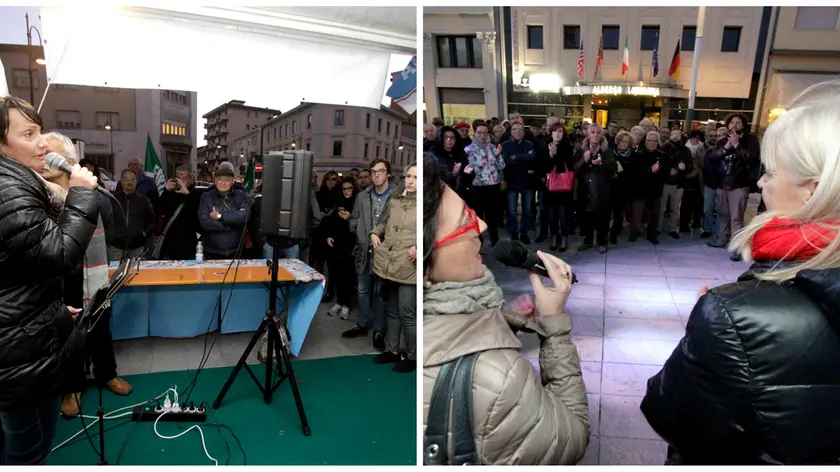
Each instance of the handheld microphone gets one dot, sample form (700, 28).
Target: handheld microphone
(56, 161)
(515, 254)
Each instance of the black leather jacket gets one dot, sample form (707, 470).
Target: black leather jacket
(756, 379)
(39, 245)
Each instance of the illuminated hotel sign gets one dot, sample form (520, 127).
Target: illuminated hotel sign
(625, 90)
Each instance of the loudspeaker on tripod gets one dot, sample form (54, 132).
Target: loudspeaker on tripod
(286, 194)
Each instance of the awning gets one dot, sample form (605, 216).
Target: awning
(267, 56)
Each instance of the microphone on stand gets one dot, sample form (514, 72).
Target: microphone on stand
(515, 254)
(56, 161)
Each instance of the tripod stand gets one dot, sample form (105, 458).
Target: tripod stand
(278, 344)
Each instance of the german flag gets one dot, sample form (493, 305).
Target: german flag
(674, 70)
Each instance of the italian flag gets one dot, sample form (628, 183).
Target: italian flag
(625, 63)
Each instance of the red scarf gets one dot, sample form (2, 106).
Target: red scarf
(783, 239)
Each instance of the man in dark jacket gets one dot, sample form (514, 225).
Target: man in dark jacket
(179, 205)
(369, 211)
(134, 219)
(739, 159)
(223, 214)
(711, 184)
(595, 167)
(676, 163)
(520, 159)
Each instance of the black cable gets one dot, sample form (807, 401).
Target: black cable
(125, 441)
(84, 426)
(230, 430)
(75, 441)
(236, 259)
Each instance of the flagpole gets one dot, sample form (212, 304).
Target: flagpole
(695, 67)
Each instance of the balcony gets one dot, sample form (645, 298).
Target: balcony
(175, 140)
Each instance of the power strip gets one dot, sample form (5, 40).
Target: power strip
(188, 415)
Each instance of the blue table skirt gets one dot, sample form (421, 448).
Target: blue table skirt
(186, 311)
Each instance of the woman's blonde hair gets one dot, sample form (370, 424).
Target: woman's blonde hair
(68, 150)
(624, 135)
(804, 142)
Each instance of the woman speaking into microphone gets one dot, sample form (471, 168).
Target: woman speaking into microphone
(41, 239)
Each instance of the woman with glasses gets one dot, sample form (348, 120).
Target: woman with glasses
(517, 415)
(326, 196)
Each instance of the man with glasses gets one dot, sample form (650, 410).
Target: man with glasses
(368, 211)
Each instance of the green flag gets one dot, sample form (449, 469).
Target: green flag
(249, 176)
(153, 168)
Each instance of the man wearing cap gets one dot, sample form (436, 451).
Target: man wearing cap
(223, 214)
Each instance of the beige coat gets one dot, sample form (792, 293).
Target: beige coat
(398, 232)
(518, 418)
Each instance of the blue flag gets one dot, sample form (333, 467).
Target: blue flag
(404, 86)
(656, 56)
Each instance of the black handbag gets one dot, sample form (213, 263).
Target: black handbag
(453, 386)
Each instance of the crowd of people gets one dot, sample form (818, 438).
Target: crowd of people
(58, 235)
(754, 378)
(558, 177)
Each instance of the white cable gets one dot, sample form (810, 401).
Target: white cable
(203, 444)
(108, 416)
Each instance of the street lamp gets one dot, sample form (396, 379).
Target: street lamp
(111, 132)
(39, 60)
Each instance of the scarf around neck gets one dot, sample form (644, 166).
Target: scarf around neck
(456, 298)
(784, 239)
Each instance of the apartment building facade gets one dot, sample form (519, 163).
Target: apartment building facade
(341, 137)
(803, 50)
(227, 121)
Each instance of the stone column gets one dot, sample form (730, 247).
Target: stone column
(665, 112)
(488, 74)
(430, 95)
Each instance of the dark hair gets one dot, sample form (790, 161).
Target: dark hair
(433, 187)
(743, 118)
(349, 179)
(128, 170)
(327, 176)
(355, 168)
(477, 123)
(89, 162)
(555, 126)
(381, 160)
(25, 108)
(364, 170)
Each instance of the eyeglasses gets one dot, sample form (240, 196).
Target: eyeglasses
(378, 171)
(472, 224)
(347, 189)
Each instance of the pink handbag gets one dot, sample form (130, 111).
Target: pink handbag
(560, 182)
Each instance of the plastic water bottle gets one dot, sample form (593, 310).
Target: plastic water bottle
(199, 252)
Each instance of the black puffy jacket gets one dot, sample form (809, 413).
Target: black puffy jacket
(38, 246)
(756, 379)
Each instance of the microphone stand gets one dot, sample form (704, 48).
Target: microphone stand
(92, 319)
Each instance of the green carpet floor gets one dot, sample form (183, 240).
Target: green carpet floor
(360, 414)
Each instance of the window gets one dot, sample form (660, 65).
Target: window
(571, 37)
(650, 38)
(367, 121)
(174, 97)
(248, 114)
(247, 127)
(308, 145)
(379, 126)
(275, 133)
(535, 37)
(308, 121)
(689, 34)
(731, 39)
(388, 128)
(396, 130)
(366, 151)
(69, 119)
(104, 118)
(336, 149)
(287, 130)
(459, 51)
(21, 77)
(173, 129)
(339, 118)
(377, 152)
(611, 34)
(387, 156)
(816, 18)
(294, 127)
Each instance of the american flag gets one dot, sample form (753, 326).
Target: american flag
(580, 57)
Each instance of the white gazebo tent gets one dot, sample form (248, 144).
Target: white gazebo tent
(272, 57)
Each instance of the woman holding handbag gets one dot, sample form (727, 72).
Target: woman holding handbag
(560, 183)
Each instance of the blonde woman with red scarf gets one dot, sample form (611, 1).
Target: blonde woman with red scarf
(756, 379)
